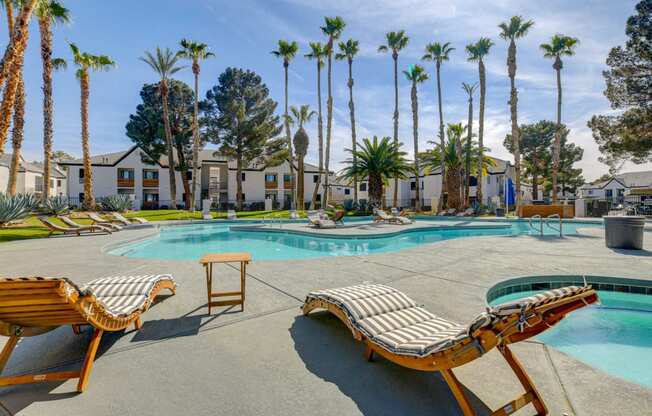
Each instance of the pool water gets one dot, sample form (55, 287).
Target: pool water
(615, 336)
(192, 241)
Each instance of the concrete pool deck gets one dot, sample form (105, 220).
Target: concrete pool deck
(272, 360)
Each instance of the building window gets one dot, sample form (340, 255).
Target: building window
(58, 183)
(38, 184)
(271, 195)
(287, 177)
(150, 174)
(422, 184)
(590, 192)
(347, 191)
(189, 175)
(243, 177)
(363, 187)
(413, 186)
(608, 193)
(81, 197)
(127, 174)
(315, 178)
(81, 175)
(270, 177)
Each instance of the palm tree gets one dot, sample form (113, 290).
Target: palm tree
(287, 51)
(302, 116)
(333, 27)
(86, 62)
(164, 63)
(49, 13)
(439, 53)
(318, 52)
(476, 52)
(516, 28)
(470, 90)
(348, 51)
(196, 52)
(396, 41)
(12, 66)
(416, 74)
(378, 161)
(560, 45)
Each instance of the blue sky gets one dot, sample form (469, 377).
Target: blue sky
(242, 33)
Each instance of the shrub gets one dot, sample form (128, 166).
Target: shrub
(350, 205)
(55, 205)
(119, 203)
(15, 208)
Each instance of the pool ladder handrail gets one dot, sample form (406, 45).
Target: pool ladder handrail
(551, 217)
(536, 216)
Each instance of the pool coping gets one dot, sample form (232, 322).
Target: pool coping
(547, 282)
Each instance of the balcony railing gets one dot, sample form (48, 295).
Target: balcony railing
(150, 183)
(125, 183)
(288, 184)
(271, 185)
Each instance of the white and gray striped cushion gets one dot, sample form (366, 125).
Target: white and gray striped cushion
(123, 295)
(392, 320)
(543, 298)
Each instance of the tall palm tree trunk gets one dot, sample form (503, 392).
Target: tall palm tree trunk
(168, 144)
(395, 58)
(89, 198)
(415, 133)
(329, 124)
(17, 137)
(288, 137)
(513, 106)
(467, 161)
(555, 160)
(300, 183)
(195, 141)
(442, 139)
(353, 139)
(320, 136)
(238, 181)
(483, 93)
(13, 67)
(376, 191)
(46, 60)
(15, 49)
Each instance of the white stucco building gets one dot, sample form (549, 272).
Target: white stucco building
(618, 187)
(132, 172)
(30, 177)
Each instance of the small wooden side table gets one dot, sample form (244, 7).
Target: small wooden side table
(208, 260)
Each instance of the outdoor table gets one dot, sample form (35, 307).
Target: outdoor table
(208, 260)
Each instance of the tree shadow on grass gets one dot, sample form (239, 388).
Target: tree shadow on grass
(379, 387)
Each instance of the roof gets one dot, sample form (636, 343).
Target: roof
(36, 167)
(627, 179)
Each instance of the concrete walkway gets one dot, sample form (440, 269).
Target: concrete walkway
(271, 360)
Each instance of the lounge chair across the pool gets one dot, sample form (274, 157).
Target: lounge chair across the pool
(128, 221)
(32, 306)
(396, 328)
(77, 229)
(382, 216)
(72, 224)
(231, 215)
(94, 216)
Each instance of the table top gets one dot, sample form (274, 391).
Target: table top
(225, 257)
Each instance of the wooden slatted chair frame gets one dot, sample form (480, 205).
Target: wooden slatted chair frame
(507, 330)
(34, 305)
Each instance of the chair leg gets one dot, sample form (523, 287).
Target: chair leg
(7, 350)
(138, 323)
(88, 361)
(368, 353)
(76, 329)
(525, 380)
(458, 391)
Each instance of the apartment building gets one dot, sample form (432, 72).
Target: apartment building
(133, 172)
(30, 177)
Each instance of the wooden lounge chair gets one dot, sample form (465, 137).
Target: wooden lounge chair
(72, 224)
(128, 221)
(34, 305)
(79, 229)
(396, 328)
(314, 217)
(382, 216)
(95, 217)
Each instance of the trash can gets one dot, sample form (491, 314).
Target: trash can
(624, 231)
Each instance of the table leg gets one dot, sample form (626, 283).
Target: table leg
(243, 275)
(209, 284)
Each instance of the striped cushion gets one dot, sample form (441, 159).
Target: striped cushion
(543, 298)
(124, 295)
(392, 320)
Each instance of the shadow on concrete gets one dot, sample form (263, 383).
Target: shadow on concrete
(379, 387)
(635, 253)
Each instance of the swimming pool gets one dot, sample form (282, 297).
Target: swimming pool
(190, 242)
(615, 336)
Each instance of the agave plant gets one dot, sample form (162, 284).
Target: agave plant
(55, 205)
(118, 203)
(15, 208)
